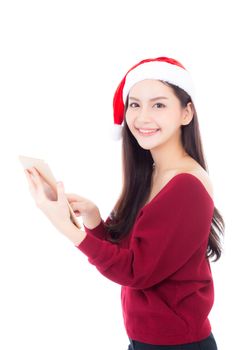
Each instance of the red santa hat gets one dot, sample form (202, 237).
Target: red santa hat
(161, 68)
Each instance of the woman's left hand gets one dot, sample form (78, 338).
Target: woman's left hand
(56, 210)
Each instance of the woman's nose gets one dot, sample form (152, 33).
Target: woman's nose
(144, 114)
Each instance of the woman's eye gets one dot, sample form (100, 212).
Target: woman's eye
(160, 105)
(133, 103)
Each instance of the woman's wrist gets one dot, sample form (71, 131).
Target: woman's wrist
(92, 220)
(74, 234)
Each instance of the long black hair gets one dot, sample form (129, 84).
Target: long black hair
(137, 180)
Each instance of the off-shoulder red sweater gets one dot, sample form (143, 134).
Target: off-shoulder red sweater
(167, 287)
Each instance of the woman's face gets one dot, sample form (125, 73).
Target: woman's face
(153, 105)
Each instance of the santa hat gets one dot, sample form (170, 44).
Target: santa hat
(161, 68)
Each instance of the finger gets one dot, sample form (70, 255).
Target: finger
(61, 191)
(74, 197)
(38, 182)
(75, 209)
(30, 181)
(70, 195)
(75, 206)
(29, 175)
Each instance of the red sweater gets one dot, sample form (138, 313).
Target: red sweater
(167, 287)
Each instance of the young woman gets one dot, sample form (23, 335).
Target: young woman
(158, 239)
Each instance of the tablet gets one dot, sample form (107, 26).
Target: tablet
(45, 171)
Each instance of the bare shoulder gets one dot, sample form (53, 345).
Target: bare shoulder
(189, 166)
(202, 175)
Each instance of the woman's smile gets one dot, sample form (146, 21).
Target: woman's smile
(145, 132)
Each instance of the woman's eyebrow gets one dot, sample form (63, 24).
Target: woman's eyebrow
(152, 99)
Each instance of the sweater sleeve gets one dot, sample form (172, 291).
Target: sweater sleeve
(169, 230)
(98, 231)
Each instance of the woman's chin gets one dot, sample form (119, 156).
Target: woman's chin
(147, 145)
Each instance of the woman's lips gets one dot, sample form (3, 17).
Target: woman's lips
(148, 133)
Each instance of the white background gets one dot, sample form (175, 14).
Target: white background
(60, 64)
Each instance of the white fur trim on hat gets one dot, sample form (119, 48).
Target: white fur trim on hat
(162, 71)
(116, 132)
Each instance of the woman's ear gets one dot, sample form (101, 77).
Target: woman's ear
(188, 114)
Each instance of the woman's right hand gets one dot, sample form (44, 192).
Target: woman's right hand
(80, 205)
(85, 208)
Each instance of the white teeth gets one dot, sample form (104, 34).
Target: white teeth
(147, 131)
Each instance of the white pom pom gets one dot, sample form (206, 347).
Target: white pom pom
(116, 132)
